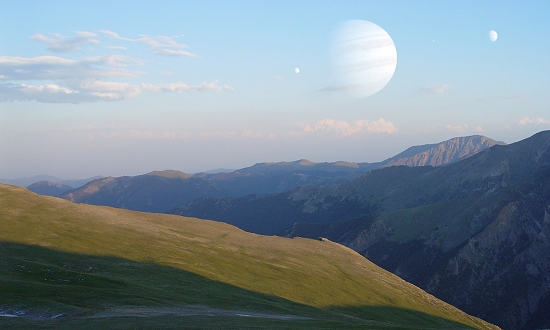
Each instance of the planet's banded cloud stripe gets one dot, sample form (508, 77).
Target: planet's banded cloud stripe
(364, 57)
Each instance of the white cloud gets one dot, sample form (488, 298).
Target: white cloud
(536, 121)
(86, 80)
(89, 79)
(341, 88)
(206, 134)
(519, 96)
(113, 35)
(160, 45)
(139, 134)
(116, 47)
(114, 60)
(172, 135)
(142, 134)
(18, 60)
(278, 77)
(96, 90)
(16, 68)
(63, 44)
(183, 87)
(47, 93)
(346, 129)
(252, 134)
(459, 129)
(438, 89)
(508, 97)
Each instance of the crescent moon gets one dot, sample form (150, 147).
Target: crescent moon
(493, 35)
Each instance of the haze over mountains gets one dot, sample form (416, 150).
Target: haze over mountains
(475, 233)
(161, 191)
(25, 182)
(466, 219)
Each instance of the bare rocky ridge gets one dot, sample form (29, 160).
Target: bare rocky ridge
(446, 152)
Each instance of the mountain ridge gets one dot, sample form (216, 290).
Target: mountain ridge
(445, 152)
(49, 188)
(261, 178)
(60, 254)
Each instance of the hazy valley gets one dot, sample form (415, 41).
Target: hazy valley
(465, 219)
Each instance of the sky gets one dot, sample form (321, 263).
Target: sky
(118, 88)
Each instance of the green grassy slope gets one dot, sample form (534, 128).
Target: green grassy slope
(106, 267)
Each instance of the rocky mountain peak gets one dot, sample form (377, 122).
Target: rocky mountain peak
(443, 153)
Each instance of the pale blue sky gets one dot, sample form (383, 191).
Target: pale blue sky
(124, 88)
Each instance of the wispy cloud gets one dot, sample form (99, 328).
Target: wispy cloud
(256, 134)
(16, 68)
(535, 121)
(508, 97)
(160, 45)
(135, 134)
(116, 47)
(141, 134)
(54, 79)
(215, 134)
(461, 129)
(113, 60)
(95, 90)
(438, 89)
(86, 80)
(278, 77)
(342, 88)
(62, 44)
(519, 96)
(344, 129)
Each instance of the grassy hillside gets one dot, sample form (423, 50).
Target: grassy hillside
(65, 265)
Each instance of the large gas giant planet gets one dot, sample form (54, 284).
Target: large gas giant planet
(364, 57)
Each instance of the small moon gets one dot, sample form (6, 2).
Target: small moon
(493, 35)
(364, 57)
(297, 70)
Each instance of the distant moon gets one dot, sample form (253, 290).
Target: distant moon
(493, 35)
(297, 70)
(364, 57)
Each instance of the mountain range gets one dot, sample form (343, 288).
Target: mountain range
(75, 266)
(475, 232)
(25, 182)
(162, 191)
(464, 219)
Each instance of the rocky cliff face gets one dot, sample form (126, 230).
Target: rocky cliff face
(445, 152)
